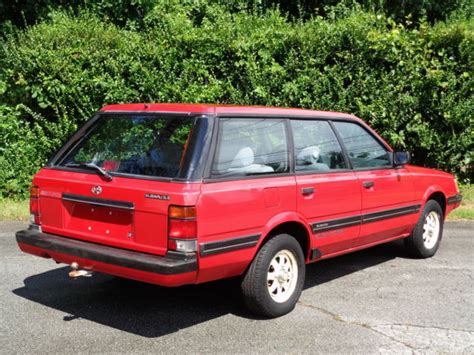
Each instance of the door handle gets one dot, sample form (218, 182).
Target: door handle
(368, 184)
(307, 190)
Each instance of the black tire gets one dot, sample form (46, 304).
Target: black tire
(415, 244)
(255, 287)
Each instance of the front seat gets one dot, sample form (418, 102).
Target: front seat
(308, 159)
(243, 162)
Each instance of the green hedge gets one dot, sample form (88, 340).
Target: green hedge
(132, 12)
(414, 85)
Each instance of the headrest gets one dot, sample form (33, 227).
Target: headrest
(308, 155)
(244, 157)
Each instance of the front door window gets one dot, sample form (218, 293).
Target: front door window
(364, 151)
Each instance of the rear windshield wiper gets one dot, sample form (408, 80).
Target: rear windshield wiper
(92, 166)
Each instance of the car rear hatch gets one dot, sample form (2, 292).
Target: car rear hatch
(116, 182)
(126, 213)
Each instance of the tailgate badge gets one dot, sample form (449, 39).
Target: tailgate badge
(96, 190)
(158, 197)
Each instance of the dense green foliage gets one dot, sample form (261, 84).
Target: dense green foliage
(411, 81)
(121, 12)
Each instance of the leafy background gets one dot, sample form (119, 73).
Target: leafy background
(405, 67)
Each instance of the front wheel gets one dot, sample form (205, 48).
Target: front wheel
(426, 236)
(273, 283)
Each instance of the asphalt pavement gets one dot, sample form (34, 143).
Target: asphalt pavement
(373, 301)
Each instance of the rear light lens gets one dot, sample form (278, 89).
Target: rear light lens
(186, 246)
(182, 228)
(182, 212)
(34, 205)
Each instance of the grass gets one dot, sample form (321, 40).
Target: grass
(12, 210)
(466, 210)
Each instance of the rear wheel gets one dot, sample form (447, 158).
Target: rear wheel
(273, 283)
(426, 236)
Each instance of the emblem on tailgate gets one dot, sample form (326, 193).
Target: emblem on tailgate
(96, 190)
(158, 197)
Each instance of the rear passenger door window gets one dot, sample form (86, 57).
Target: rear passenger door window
(247, 147)
(364, 151)
(316, 147)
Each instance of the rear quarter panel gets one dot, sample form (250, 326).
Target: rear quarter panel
(234, 209)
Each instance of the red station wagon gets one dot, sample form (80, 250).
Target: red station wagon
(175, 194)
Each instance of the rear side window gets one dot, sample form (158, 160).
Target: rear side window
(134, 144)
(247, 147)
(364, 150)
(316, 147)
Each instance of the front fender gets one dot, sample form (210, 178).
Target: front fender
(431, 190)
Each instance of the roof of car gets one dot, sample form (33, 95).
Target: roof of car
(223, 110)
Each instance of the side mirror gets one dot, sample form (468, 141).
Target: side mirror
(401, 158)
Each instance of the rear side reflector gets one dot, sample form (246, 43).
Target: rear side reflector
(182, 228)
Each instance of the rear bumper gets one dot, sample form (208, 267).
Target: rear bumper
(171, 270)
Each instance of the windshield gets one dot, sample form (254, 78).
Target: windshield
(134, 144)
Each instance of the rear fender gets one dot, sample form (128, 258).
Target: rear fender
(280, 219)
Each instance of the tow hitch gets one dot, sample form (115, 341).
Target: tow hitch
(75, 272)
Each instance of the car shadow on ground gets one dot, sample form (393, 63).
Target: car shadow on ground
(153, 311)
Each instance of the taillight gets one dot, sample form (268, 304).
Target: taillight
(182, 228)
(34, 205)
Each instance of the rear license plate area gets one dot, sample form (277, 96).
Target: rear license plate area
(99, 220)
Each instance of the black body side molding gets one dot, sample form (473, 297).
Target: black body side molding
(339, 223)
(227, 245)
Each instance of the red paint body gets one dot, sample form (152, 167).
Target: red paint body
(228, 209)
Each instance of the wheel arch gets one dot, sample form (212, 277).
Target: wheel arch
(437, 194)
(292, 224)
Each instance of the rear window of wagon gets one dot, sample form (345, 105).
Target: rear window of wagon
(134, 144)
